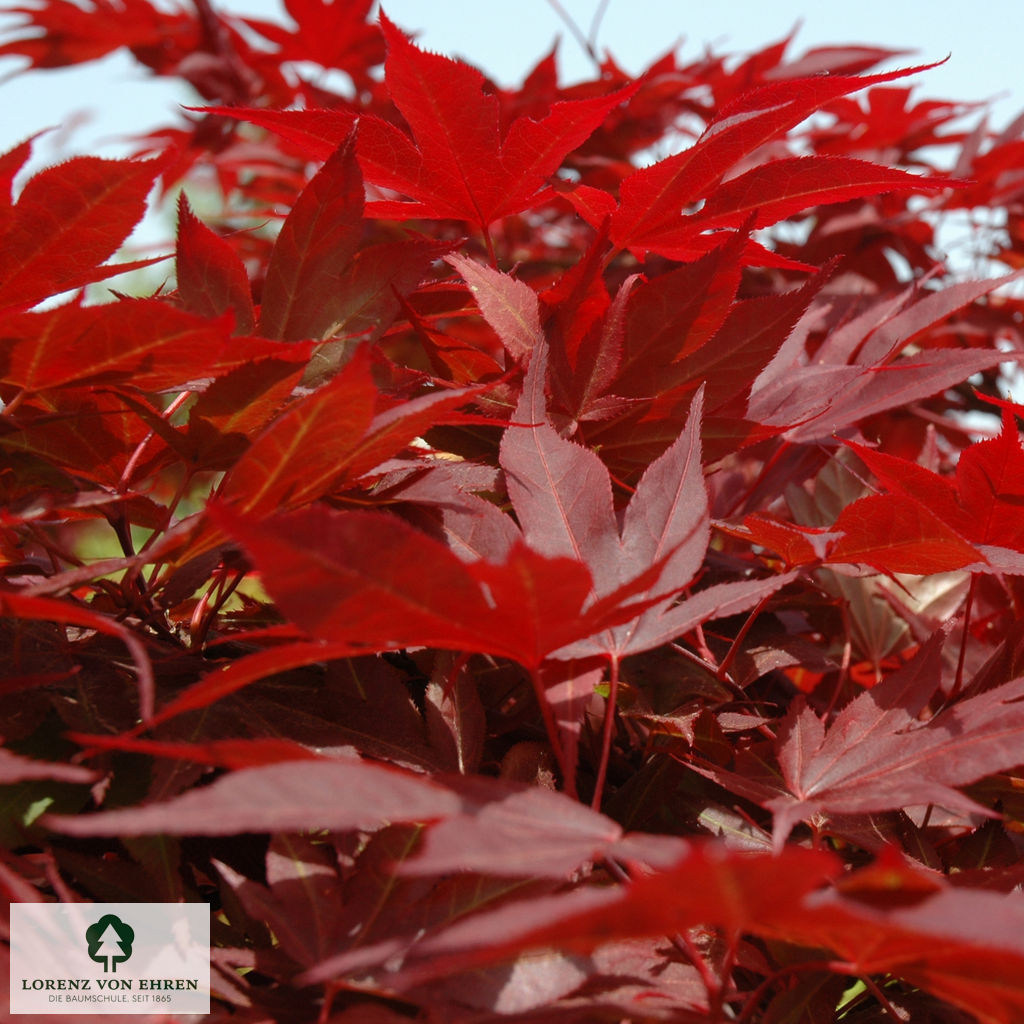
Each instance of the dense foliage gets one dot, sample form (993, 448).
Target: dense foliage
(540, 554)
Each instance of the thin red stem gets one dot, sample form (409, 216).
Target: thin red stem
(607, 728)
(753, 1002)
(12, 405)
(492, 255)
(958, 683)
(734, 648)
(712, 985)
(891, 1010)
(702, 647)
(136, 457)
(551, 727)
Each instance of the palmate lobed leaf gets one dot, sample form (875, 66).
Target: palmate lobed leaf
(959, 944)
(337, 36)
(875, 756)
(928, 523)
(962, 945)
(981, 504)
(773, 896)
(732, 342)
(779, 189)
(654, 198)
(810, 402)
(381, 911)
(859, 369)
(488, 826)
(700, 359)
(563, 498)
(704, 883)
(458, 162)
(391, 586)
(74, 33)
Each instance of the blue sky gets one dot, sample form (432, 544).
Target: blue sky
(94, 105)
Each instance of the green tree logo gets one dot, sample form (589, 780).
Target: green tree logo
(110, 941)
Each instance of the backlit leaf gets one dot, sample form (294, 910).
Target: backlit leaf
(458, 162)
(316, 242)
(67, 221)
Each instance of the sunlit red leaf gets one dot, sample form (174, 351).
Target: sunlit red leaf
(317, 240)
(74, 33)
(894, 534)
(67, 221)
(392, 586)
(982, 504)
(211, 277)
(334, 35)
(781, 188)
(655, 197)
(796, 545)
(458, 162)
(145, 342)
(338, 433)
(315, 133)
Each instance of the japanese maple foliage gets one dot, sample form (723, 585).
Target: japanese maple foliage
(536, 553)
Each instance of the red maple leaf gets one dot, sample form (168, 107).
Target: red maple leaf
(456, 159)
(982, 504)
